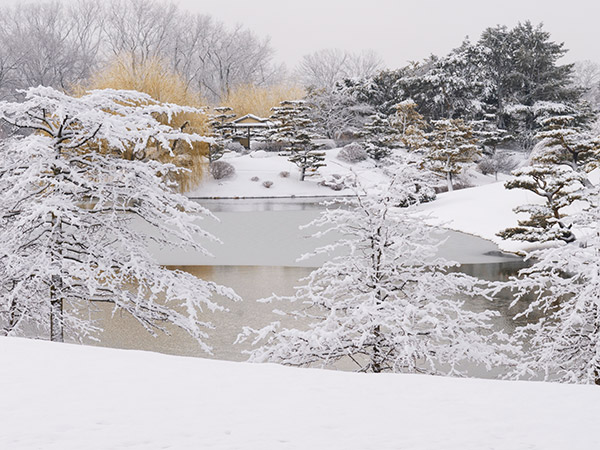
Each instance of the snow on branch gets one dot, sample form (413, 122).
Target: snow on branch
(78, 216)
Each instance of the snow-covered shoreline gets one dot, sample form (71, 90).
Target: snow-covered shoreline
(482, 210)
(98, 398)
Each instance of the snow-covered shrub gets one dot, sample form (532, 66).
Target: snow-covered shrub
(254, 179)
(334, 182)
(221, 169)
(267, 184)
(499, 162)
(353, 153)
(284, 174)
(260, 154)
(268, 146)
(235, 147)
(325, 144)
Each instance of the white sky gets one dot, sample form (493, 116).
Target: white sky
(402, 30)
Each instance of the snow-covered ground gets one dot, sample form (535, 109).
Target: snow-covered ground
(267, 166)
(482, 211)
(63, 397)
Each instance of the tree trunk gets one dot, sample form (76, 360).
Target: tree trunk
(302, 173)
(56, 301)
(56, 325)
(377, 359)
(449, 181)
(56, 310)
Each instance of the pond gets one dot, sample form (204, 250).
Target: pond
(261, 243)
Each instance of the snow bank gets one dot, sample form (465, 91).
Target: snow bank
(482, 211)
(62, 397)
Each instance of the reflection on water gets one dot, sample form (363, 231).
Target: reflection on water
(253, 283)
(263, 204)
(250, 282)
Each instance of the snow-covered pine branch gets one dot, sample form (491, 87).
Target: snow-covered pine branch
(80, 204)
(451, 146)
(562, 288)
(388, 304)
(559, 186)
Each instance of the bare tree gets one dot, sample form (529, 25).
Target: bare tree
(49, 44)
(142, 29)
(58, 45)
(586, 75)
(322, 69)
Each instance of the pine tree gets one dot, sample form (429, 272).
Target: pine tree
(490, 137)
(561, 288)
(559, 186)
(567, 139)
(488, 134)
(294, 130)
(406, 115)
(410, 124)
(522, 65)
(450, 147)
(220, 132)
(380, 137)
(388, 304)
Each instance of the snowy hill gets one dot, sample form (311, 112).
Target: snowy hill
(98, 398)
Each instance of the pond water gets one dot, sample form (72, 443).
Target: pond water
(269, 233)
(258, 259)
(253, 283)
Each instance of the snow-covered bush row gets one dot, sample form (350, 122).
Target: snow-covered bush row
(235, 147)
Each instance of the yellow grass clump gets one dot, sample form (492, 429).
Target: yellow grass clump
(258, 100)
(155, 79)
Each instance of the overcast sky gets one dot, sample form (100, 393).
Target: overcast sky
(400, 30)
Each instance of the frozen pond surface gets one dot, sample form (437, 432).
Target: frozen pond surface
(267, 233)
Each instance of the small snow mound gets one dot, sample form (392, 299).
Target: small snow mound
(261, 154)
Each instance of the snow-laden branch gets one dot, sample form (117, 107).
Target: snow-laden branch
(388, 303)
(76, 217)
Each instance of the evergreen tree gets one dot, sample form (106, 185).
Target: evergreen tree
(380, 137)
(522, 65)
(220, 132)
(488, 134)
(563, 310)
(449, 148)
(381, 91)
(451, 86)
(559, 186)
(294, 130)
(490, 137)
(567, 139)
(336, 112)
